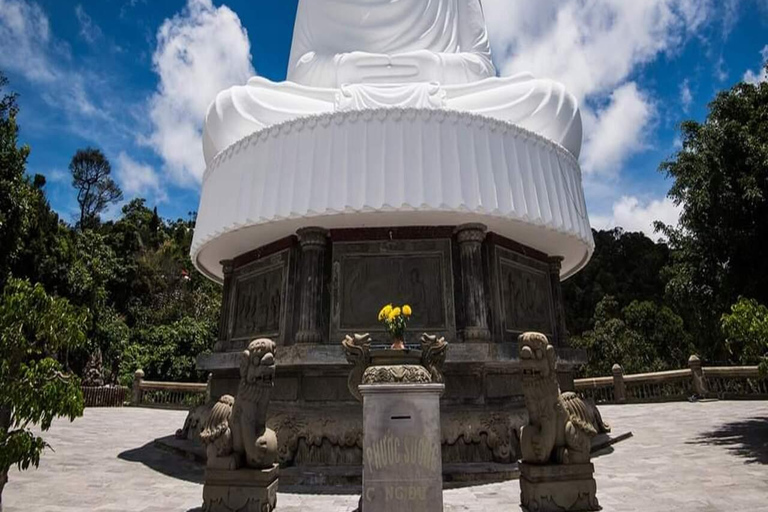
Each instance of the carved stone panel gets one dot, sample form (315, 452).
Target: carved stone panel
(368, 275)
(259, 299)
(525, 295)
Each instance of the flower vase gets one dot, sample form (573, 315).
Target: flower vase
(398, 344)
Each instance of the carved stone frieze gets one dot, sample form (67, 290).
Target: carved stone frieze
(397, 374)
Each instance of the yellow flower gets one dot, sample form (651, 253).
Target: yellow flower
(385, 311)
(407, 310)
(396, 312)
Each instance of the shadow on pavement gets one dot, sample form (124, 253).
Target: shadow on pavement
(747, 439)
(164, 462)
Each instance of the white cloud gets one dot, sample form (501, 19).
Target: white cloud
(752, 77)
(89, 31)
(25, 35)
(617, 131)
(633, 215)
(138, 179)
(596, 48)
(200, 51)
(686, 96)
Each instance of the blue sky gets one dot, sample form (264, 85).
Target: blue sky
(133, 77)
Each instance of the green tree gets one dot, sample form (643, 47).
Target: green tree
(626, 266)
(95, 187)
(746, 332)
(721, 181)
(14, 186)
(34, 327)
(641, 337)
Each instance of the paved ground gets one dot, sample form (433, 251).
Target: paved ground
(684, 457)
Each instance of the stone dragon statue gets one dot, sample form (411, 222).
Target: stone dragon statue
(235, 433)
(561, 425)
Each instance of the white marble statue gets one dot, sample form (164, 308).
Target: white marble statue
(356, 54)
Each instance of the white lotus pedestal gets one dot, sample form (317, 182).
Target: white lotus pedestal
(402, 462)
(558, 488)
(240, 490)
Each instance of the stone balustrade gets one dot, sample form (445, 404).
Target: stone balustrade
(695, 381)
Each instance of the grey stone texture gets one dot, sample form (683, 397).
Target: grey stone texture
(684, 457)
(402, 464)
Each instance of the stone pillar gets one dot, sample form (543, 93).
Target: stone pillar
(470, 238)
(402, 460)
(138, 377)
(561, 330)
(699, 384)
(225, 325)
(619, 389)
(313, 242)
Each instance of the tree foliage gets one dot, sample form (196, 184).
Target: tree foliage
(34, 328)
(746, 332)
(95, 187)
(721, 181)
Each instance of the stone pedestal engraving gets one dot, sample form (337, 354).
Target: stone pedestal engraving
(558, 488)
(313, 243)
(402, 462)
(470, 238)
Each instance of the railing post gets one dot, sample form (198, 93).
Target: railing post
(138, 377)
(619, 390)
(208, 394)
(699, 385)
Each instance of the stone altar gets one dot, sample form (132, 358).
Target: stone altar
(392, 162)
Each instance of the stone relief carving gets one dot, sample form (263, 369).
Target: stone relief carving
(235, 434)
(335, 436)
(414, 279)
(526, 298)
(258, 304)
(401, 373)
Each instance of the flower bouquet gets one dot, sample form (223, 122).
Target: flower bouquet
(395, 319)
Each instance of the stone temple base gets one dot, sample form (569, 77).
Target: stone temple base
(241, 490)
(558, 488)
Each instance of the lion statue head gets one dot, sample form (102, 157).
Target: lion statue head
(257, 366)
(537, 357)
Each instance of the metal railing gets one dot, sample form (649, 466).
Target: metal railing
(736, 382)
(167, 395)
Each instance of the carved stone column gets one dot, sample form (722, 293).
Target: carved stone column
(225, 324)
(313, 242)
(561, 330)
(470, 238)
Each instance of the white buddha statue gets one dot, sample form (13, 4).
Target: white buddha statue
(356, 54)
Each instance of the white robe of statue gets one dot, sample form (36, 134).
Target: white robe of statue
(356, 54)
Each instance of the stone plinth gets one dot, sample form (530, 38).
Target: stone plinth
(558, 488)
(402, 462)
(241, 490)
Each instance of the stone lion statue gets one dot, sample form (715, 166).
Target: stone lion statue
(235, 433)
(561, 425)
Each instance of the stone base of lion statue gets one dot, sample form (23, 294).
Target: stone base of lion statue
(241, 490)
(558, 488)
